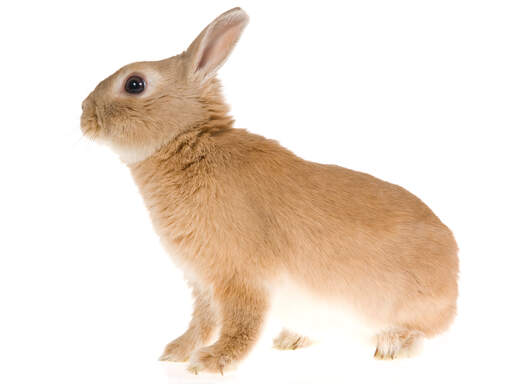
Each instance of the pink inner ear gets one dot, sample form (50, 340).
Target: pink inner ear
(220, 42)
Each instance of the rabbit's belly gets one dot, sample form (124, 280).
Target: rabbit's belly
(309, 314)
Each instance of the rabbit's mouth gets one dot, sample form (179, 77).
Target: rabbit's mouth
(89, 124)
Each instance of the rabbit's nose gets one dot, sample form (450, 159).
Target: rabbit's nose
(86, 104)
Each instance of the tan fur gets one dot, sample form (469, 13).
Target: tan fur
(236, 211)
(200, 331)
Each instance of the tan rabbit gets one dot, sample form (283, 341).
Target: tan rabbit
(246, 219)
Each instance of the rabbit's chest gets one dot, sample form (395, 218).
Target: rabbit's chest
(184, 226)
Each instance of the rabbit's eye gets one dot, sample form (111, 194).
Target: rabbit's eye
(135, 84)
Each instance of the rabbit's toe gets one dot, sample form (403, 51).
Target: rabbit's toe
(209, 359)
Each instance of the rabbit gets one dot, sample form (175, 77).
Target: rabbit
(244, 217)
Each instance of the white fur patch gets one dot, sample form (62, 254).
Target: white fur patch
(310, 315)
(134, 155)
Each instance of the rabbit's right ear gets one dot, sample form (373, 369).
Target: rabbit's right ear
(214, 44)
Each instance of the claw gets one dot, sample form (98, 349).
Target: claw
(193, 370)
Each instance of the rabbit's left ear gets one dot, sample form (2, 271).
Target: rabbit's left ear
(214, 44)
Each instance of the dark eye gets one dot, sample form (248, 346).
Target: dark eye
(135, 84)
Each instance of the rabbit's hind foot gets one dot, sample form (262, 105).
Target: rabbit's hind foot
(288, 340)
(397, 343)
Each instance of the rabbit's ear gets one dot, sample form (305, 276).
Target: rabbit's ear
(214, 44)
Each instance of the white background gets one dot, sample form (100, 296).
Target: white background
(418, 93)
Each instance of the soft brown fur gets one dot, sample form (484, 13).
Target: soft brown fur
(237, 211)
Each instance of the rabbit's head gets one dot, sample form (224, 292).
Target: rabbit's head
(143, 105)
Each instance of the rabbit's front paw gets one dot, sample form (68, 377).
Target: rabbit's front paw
(178, 351)
(210, 359)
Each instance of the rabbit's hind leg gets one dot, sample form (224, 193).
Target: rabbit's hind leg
(287, 340)
(398, 342)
